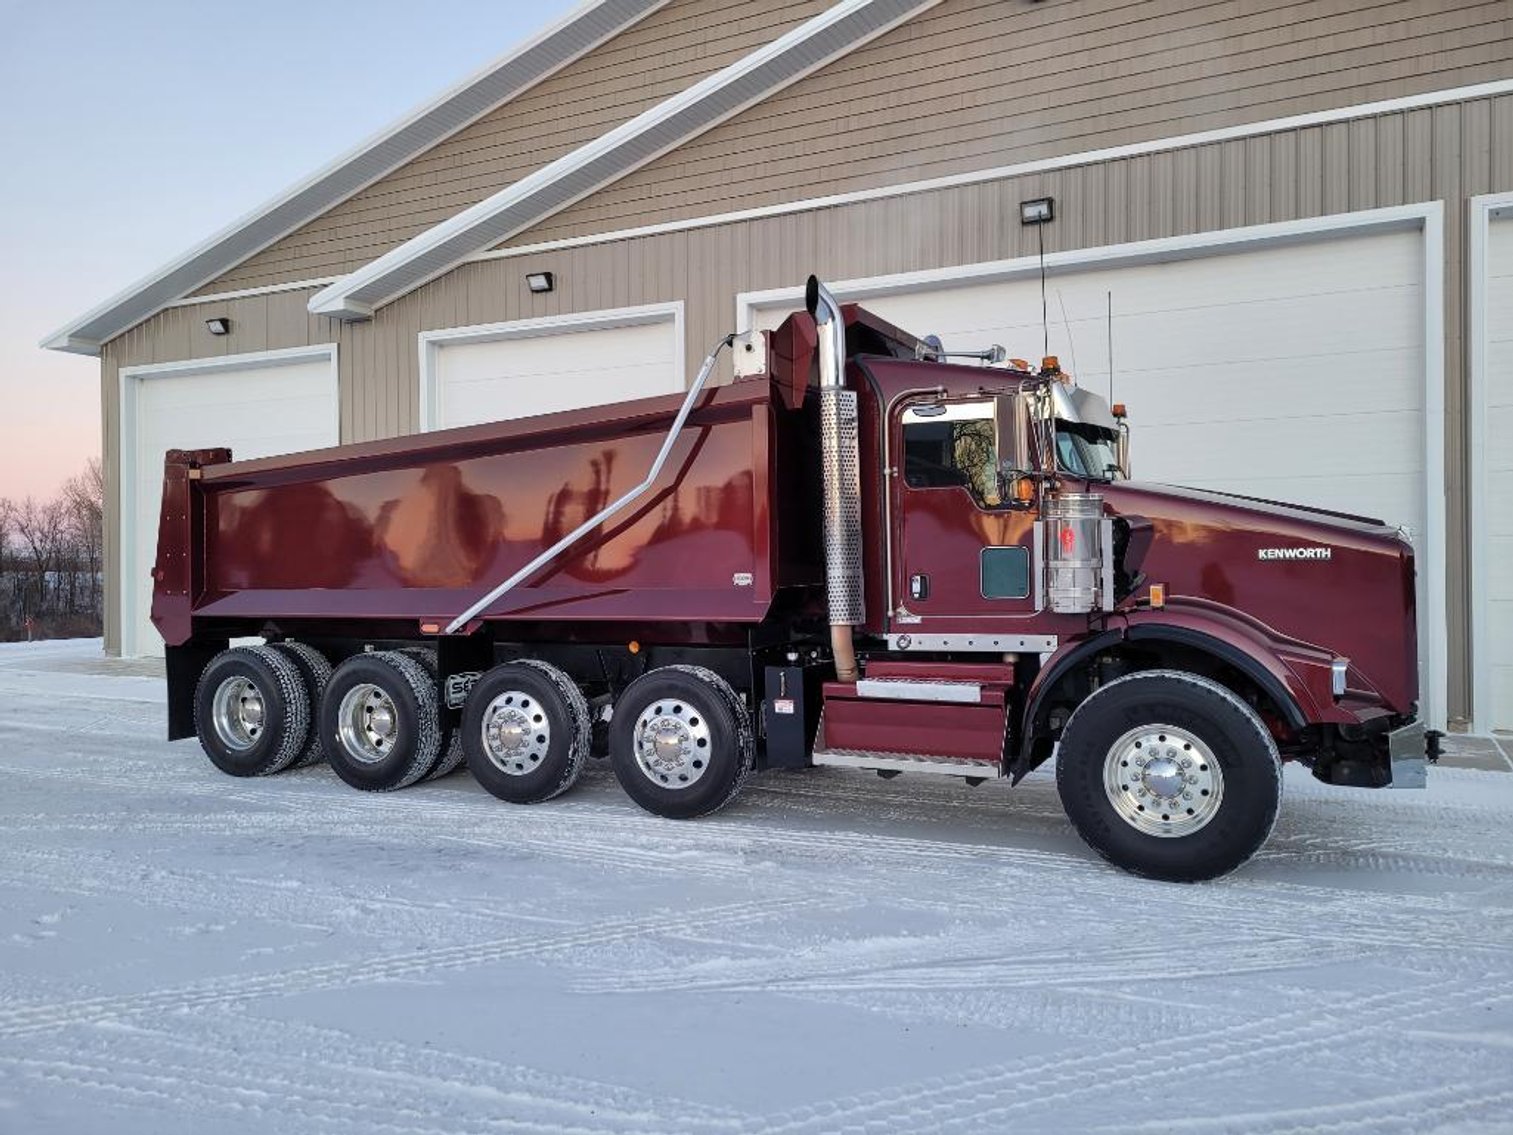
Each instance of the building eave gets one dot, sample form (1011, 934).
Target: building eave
(834, 33)
(587, 26)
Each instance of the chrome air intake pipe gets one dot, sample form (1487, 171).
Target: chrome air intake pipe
(842, 473)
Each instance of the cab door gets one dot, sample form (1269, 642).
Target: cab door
(961, 556)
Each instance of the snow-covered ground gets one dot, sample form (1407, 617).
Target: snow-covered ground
(181, 952)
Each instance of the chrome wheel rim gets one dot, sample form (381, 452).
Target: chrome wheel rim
(368, 723)
(238, 713)
(516, 733)
(1163, 781)
(672, 743)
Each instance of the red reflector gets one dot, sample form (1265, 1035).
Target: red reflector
(1068, 541)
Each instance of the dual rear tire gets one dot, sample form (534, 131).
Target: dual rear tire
(680, 741)
(262, 709)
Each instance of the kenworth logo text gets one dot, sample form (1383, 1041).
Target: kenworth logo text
(1294, 553)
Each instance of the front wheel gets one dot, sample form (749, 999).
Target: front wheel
(1169, 775)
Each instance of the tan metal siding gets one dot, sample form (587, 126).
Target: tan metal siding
(974, 84)
(1447, 153)
(662, 55)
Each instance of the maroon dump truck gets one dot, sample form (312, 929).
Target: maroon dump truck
(859, 554)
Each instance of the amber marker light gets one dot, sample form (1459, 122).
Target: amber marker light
(1118, 410)
(634, 647)
(1158, 595)
(430, 628)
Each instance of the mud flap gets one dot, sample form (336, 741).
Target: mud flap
(1408, 751)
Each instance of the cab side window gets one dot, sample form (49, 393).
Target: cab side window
(943, 452)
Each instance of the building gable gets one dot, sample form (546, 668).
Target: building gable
(664, 53)
(976, 84)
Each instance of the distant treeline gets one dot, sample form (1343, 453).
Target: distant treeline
(51, 579)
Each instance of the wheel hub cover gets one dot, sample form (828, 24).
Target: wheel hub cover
(238, 713)
(669, 741)
(1163, 780)
(1163, 777)
(516, 733)
(672, 743)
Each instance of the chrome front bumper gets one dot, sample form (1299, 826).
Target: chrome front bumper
(1409, 751)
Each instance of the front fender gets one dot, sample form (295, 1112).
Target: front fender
(1281, 669)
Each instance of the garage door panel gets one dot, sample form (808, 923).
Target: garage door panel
(503, 375)
(1500, 572)
(1386, 382)
(1500, 442)
(254, 411)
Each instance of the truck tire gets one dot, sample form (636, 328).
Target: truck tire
(525, 731)
(315, 669)
(1169, 775)
(379, 721)
(680, 742)
(252, 711)
(450, 754)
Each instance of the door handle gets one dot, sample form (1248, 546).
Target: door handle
(919, 586)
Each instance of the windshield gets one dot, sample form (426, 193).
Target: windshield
(1086, 451)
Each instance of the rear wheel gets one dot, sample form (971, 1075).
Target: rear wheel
(1170, 775)
(525, 731)
(680, 742)
(316, 671)
(378, 721)
(252, 711)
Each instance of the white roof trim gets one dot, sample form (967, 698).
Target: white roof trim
(570, 38)
(805, 49)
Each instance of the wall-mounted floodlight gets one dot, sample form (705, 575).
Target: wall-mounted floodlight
(540, 282)
(1037, 212)
(218, 326)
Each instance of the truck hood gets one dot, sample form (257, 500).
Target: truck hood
(1339, 582)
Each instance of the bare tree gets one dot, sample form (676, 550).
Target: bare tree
(40, 527)
(84, 503)
(51, 556)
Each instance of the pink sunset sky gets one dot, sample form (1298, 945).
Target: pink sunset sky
(133, 131)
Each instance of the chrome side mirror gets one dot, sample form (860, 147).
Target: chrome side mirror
(1121, 446)
(1013, 437)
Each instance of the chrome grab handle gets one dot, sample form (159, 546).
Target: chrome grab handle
(609, 510)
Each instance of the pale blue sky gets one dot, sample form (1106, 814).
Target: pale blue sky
(128, 132)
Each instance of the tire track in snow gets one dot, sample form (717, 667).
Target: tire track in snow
(1401, 1111)
(994, 1098)
(548, 834)
(294, 1050)
(236, 989)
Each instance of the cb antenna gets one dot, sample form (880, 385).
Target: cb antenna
(1067, 324)
(1110, 348)
(1045, 323)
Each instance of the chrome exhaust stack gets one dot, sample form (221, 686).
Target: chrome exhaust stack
(843, 491)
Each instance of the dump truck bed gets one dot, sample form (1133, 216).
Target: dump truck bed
(419, 528)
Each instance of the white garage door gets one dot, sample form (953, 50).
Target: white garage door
(1497, 630)
(257, 408)
(1294, 372)
(491, 374)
